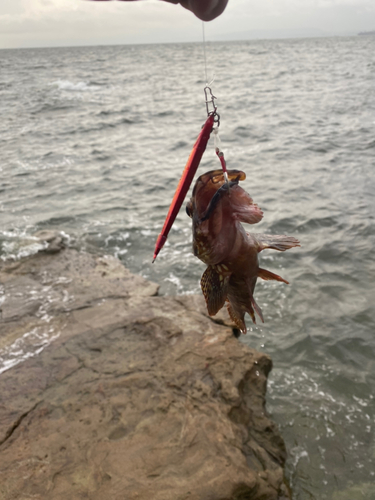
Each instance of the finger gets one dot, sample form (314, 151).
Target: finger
(206, 10)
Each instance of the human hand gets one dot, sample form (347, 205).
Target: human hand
(206, 10)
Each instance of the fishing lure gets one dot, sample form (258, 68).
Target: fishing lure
(190, 169)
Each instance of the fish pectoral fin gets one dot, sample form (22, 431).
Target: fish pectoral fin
(237, 315)
(250, 214)
(267, 275)
(276, 242)
(243, 207)
(215, 288)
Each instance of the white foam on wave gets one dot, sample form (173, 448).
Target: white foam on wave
(2, 295)
(172, 278)
(42, 164)
(29, 345)
(11, 252)
(42, 331)
(70, 86)
(298, 453)
(18, 244)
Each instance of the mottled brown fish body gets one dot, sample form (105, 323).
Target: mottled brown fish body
(220, 241)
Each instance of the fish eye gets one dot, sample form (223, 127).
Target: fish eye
(188, 210)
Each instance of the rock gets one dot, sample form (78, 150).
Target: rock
(53, 240)
(132, 396)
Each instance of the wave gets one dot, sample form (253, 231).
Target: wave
(17, 244)
(54, 107)
(70, 86)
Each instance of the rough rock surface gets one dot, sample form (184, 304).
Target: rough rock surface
(138, 397)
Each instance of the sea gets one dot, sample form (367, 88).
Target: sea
(93, 141)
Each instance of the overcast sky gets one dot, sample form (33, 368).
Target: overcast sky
(44, 23)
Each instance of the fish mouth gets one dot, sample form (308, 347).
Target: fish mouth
(217, 177)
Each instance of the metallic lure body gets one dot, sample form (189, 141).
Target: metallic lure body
(231, 254)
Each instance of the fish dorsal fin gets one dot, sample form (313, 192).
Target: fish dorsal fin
(276, 242)
(267, 275)
(214, 286)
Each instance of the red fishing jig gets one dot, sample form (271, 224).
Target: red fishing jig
(191, 167)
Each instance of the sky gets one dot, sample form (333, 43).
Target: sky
(50, 23)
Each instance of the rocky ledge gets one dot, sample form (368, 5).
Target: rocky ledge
(129, 396)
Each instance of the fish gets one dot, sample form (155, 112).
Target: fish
(217, 209)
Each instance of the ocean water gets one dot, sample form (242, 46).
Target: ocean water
(93, 141)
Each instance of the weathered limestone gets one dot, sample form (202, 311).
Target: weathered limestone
(138, 397)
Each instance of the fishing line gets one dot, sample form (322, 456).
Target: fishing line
(212, 124)
(204, 52)
(210, 100)
(205, 57)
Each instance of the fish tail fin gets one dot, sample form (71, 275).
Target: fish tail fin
(238, 306)
(267, 275)
(237, 317)
(257, 309)
(276, 242)
(214, 287)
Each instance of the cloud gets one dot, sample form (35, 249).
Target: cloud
(71, 22)
(27, 23)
